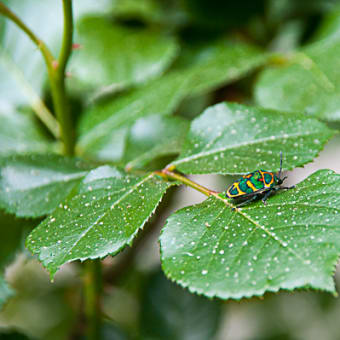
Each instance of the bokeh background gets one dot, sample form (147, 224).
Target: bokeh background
(139, 303)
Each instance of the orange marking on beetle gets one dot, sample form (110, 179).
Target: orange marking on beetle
(264, 182)
(237, 187)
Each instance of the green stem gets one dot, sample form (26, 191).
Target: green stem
(57, 80)
(170, 174)
(92, 293)
(38, 106)
(55, 69)
(39, 43)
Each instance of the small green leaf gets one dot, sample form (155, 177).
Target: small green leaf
(169, 312)
(309, 83)
(153, 137)
(102, 219)
(114, 56)
(292, 242)
(20, 134)
(34, 185)
(232, 139)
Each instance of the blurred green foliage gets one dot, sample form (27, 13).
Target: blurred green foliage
(140, 59)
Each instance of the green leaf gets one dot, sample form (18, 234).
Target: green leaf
(153, 137)
(330, 25)
(199, 70)
(5, 291)
(12, 231)
(102, 219)
(212, 65)
(309, 83)
(114, 56)
(20, 134)
(34, 185)
(101, 122)
(232, 139)
(170, 312)
(292, 242)
(148, 10)
(22, 68)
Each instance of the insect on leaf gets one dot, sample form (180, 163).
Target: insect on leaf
(292, 242)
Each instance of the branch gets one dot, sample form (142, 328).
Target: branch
(49, 59)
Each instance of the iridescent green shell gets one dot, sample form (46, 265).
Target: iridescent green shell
(253, 182)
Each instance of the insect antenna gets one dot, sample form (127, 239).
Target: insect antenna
(280, 165)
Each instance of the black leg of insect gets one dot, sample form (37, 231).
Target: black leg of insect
(255, 185)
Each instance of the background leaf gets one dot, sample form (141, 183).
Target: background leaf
(34, 185)
(19, 133)
(197, 72)
(102, 219)
(5, 291)
(213, 64)
(153, 137)
(292, 242)
(101, 122)
(12, 233)
(170, 312)
(231, 138)
(47, 23)
(112, 55)
(308, 83)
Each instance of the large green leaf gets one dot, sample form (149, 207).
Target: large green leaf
(201, 69)
(102, 219)
(34, 185)
(309, 83)
(232, 138)
(102, 122)
(292, 242)
(169, 312)
(114, 56)
(20, 134)
(153, 137)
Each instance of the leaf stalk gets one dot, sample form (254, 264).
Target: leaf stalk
(174, 175)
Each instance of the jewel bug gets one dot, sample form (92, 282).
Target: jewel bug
(255, 185)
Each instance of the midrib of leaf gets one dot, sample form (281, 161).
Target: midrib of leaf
(258, 226)
(106, 212)
(235, 146)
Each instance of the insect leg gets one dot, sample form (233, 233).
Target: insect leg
(253, 198)
(266, 195)
(292, 187)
